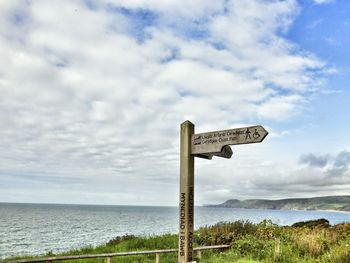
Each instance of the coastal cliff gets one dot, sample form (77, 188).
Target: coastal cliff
(338, 203)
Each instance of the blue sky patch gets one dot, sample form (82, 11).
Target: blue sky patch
(19, 17)
(140, 20)
(324, 30)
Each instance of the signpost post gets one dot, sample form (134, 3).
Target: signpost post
(203, 145)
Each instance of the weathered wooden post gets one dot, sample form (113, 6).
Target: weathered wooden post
(185, 252)
(157, 258)
(203, 145)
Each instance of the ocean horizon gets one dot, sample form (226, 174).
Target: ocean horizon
(39, 228)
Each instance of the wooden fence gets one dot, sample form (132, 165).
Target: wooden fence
(109, 256)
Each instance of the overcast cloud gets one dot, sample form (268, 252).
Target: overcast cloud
(93, 92)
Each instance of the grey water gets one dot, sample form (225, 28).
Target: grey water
(33, 229)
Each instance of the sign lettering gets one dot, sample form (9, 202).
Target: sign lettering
(213, 142)
(190, 220)
(182, 223)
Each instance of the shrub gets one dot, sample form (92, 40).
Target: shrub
(338, 254)
(224, 233)
(324, 223)
(314, 242)
(253, 247)
(267, 230)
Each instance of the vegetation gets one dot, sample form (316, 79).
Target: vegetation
(340, 203)
(312, 241)
(304, 242)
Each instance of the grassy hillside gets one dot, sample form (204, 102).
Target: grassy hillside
(304, 242)
(340, 203)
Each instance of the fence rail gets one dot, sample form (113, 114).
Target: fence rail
(109, 256)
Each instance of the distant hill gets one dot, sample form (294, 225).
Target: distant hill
(339, 203)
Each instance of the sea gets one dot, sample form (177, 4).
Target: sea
(35, 229)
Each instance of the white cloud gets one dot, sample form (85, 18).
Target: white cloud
(97, 93)
(280, 107)
(316, 175)
(174, 9)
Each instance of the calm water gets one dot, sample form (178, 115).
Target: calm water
(40, 228)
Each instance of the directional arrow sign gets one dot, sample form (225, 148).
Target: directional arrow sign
(204, 145)
(212, 143)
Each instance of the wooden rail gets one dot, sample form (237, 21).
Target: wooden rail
(109, 256)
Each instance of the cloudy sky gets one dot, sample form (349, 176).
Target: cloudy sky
(92, 94)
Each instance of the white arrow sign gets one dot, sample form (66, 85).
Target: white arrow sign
(213, 142)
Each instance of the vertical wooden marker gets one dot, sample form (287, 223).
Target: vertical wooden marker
(186, 194)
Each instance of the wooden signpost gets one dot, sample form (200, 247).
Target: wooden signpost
(203, 145)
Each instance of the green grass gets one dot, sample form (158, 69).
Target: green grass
(305, 242)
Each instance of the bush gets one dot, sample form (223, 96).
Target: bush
(324, 223)
(224, 232)
(253, 247)
(338, 254)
